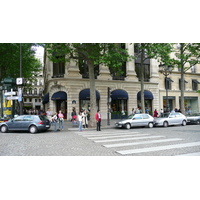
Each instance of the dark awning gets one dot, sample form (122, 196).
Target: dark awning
(85, 95)
(195, 81)
(147, 95)
(119, 94)
(45, 98)
(59, 96)
(169, 79)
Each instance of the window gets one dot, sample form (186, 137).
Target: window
(59, 68)
(193, 69)
(35, 90)
(84, 71)
(146, 71)
(25, 91)
(30, 91)
(30, 100)
(195, 84)
(40, 82)
(35, 100)
(145, 116)
(180, 84)
(40, 91)
(168, 85)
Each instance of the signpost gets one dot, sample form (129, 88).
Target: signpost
(9, 93)
(12, 98)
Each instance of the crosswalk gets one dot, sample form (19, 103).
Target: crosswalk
(135, 143)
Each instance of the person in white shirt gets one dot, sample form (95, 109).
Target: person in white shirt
(80, 120)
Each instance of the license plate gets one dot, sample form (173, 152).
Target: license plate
(47, 125)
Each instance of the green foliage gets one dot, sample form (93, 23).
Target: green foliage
(109, 54)
(10, 61)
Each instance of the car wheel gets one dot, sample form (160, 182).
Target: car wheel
(165, 124)
(150, 125)
(4, 129)
(33, 129)
(127, 126)
(198, 122)
(184, 123)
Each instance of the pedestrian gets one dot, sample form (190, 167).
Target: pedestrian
(161, 112)
(80, 121)
(155, 113)
(85, 120)
(49, 114)
(61, 120)
(73, 114)
(54, 121)
(133, 111)
(98, 120)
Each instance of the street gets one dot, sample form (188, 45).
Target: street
(157, 141)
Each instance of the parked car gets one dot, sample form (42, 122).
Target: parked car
(136, 120)
(168, 119)
(193, 118)
(31, 123)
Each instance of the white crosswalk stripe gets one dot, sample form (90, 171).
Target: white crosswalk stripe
(109, 134)
(124, 139)
(116, 136)
(128, 139)
(143, 142)
(190, 154)
(160, 148)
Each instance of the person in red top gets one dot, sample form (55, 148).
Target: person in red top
(98, 119)
(155, 113)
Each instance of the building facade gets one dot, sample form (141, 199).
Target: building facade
(67, 86)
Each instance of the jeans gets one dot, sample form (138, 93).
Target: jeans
(80, 126)
(61, 124)
(55, 125)
(99, 126)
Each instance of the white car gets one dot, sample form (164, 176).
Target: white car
(136, 120)
(168, 119)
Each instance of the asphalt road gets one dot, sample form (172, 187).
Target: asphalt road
(157, 141)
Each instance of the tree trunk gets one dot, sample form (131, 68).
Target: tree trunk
(142, 81)
(93, 108)
(182, 83)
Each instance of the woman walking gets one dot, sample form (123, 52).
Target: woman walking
(54, 120)
(85, 120)
(61, 120)
(80, 118)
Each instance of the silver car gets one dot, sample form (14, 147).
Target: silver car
(136, 120)
(193, 118)
(168, 119)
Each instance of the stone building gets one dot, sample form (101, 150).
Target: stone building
(67, 86)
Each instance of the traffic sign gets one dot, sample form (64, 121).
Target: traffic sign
(12, 98)
(9, 93)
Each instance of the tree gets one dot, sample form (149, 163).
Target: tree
(109, 54)
(144, 51)
(186, 56)
(10, 61)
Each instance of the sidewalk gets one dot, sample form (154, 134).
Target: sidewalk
(69, 126)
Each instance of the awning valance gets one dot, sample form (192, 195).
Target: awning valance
(59, 96)
(119, 94)
(147, 95)
(85, 95)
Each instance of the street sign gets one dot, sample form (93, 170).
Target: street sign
(9, 93)
(12, 98)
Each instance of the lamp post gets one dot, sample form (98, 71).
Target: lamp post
(108, 104)
(166, 70)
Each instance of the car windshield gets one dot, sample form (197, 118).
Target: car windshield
(130, 117)
(164, 115)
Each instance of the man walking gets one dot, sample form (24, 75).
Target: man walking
(98, 120)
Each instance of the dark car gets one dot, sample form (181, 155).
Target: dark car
(31, 123)
(193, 118)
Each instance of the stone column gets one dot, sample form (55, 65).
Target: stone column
(154, 70)
(130, 65)
(73, 70)
(104, 73)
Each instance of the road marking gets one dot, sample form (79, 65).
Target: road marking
(144, 142)
(107, 134)
(115, 136)
(176, 146)
(133, 138)
(190, 154)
